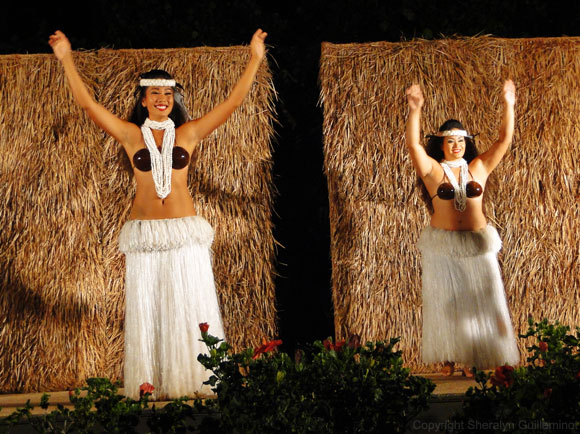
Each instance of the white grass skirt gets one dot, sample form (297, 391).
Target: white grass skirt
(169, 290)
(465, 313)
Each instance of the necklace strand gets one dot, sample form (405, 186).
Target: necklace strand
(460, 200)
(161, 162)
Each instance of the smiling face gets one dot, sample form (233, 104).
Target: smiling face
(159, 102)
(453, 147)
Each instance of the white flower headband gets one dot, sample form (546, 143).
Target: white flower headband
(157, 82)
(446, 133)
(453, 132)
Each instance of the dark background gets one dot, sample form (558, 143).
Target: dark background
(296, 30)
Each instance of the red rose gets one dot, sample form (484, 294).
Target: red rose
(204, 327)
(338, 346)
(258, 351)
(547, 392)
(503, 376)
(334, 347)
(266, 348)
(146, 388)
(578, 376)
(272, 344)
(543, 346)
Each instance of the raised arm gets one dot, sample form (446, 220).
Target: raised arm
(198, 129)
(123, 131)
(421, 161)
(495, 153)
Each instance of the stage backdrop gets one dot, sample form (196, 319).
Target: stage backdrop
(65, 193)
(376, 214)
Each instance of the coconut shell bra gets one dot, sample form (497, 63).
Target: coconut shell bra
(142, 159)
(446, 191)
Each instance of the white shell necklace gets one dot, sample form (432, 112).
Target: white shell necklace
(460, 200)
(161, 162)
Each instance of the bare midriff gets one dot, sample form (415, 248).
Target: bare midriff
(148, 206)
(448, 218)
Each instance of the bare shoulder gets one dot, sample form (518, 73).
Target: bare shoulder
(187, 135)
(134, 139)
(433, 179)
(437, 171)
(477, 168)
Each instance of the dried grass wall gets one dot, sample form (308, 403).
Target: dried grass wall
(376, 213)
(65, 197)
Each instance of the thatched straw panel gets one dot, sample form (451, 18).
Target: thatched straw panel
(52, 323)
(66, 197)
(376, 213)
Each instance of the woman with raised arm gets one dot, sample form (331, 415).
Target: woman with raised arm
(465, 314)
(169, 280)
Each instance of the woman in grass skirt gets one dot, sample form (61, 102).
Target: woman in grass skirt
(465, 314)
(169, 279)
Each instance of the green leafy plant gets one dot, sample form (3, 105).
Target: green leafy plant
(326, 388)
(98, 407)
(542, 396)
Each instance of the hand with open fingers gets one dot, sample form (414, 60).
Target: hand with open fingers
(415, 97)
(509, 92)
(60, 44)
(257, 44)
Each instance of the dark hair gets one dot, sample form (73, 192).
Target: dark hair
(139, 113)
(435, 143)
(435, 151)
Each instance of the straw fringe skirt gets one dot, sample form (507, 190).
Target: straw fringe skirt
(169, 291)
(465, 313)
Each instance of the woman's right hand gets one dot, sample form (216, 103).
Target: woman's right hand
(415, 97)
(257, 44)
(126, 133)
(422, 162)
(59, 44)
(509, 93)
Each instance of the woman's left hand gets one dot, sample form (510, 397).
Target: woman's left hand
(59, 44)
(257, 44)
(509, 92)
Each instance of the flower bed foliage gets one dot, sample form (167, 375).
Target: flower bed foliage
(98, 407)
(334, 387)
(326, 388)
(542, 396)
